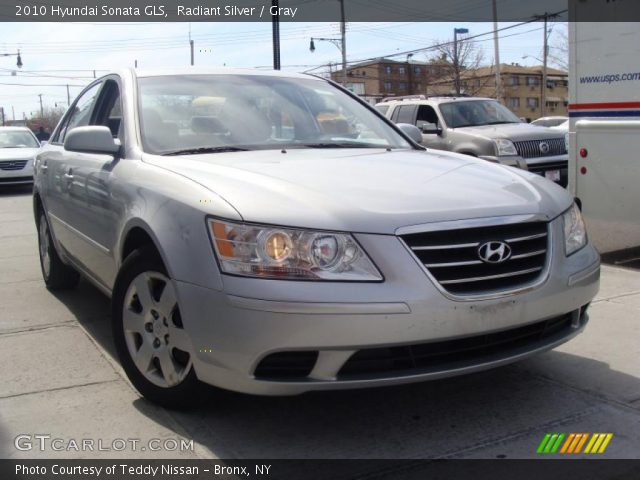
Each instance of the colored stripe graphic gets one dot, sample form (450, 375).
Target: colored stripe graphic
(556, 443)
(603, 106)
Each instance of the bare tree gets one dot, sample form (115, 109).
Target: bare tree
(559, 49)
(48, 121)
(469, 56)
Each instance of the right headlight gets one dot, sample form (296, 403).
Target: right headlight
(575, 233)
(290, 254)
(505, 147)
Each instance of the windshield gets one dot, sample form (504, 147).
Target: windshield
(18, 139)
(476, 112)
(202, 113)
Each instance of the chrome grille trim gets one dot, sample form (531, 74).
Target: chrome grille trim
(457, 270)
(531, 148)
(13, 164)
(491, 277)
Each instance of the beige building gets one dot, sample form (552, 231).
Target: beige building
(521, 88)
(382, 78)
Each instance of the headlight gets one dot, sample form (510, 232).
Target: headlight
(292, 254)
(575, 234)
(505, 147)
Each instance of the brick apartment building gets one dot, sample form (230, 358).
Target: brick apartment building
(521, 88)
(381, 78)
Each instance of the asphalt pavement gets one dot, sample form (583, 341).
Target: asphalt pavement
(59, 378)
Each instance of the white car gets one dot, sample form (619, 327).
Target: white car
(18, 147)
(550, 121)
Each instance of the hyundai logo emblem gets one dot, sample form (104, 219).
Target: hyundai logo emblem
(544, 147)
(494, 252)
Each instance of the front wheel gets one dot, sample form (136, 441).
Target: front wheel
(154, 349)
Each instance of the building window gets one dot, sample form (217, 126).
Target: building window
(533, 102)
(515, 80)
(514, 102)
(417, 70)
(533, 81)
(402, 86)
(401, 70)
(388, 69)
(387, 86)
(417, 86)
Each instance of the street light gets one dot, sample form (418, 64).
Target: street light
(339, 43)
(456, 68)
(18, 62)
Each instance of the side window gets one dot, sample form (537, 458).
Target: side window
(406, 114)
(426, 116)
(382, 109)
(81, 111)
(109, 109)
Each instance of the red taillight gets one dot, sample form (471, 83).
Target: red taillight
(583, 152)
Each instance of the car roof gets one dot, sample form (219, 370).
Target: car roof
(426, 101)
(141, 73)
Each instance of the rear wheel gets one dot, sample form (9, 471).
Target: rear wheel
(56, 275)
(154, 349)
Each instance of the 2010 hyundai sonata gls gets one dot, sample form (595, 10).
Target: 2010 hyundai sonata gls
(272, 234)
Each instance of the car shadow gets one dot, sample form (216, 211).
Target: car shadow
(425, 420)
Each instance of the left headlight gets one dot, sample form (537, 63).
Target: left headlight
(291, 254)
(505, 147)
(575, 233)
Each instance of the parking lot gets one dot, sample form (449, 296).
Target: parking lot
(60, 378)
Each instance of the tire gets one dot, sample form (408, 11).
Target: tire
(154, 349)
(56, 275)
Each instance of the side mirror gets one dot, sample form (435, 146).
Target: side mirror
(431, 129)
(411, 131)
(92, 139)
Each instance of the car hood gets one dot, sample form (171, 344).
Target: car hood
(17, 153)
(364, 190)
(512, 131)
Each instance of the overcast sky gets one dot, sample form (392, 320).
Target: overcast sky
(55, 55)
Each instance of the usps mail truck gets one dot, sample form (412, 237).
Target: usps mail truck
(604, 112)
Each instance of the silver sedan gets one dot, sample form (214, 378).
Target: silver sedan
(270, 233)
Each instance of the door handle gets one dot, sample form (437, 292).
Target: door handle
(44, 167)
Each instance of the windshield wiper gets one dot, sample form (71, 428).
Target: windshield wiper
(200, 150)
(498, 123)
(342, 145)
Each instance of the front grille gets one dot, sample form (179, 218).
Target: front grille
(458, 353)
(531, 148)
(452, 257)
(286, 365)
(12, 164)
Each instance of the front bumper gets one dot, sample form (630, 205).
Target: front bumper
(234, 330)
(542, 166)
(23, 176)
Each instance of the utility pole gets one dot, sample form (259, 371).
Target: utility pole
(191, 45)
(543, 107)
(68, 97)
(275, 33)
(343, 36)
(13, 113)
(409, 79)
(456, 66)
(496, 55)
(2, 114)
(41, 107)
